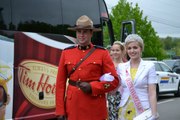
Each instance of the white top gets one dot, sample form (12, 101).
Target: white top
(145, 75)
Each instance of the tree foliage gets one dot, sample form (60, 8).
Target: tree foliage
(125, 11)
(171, 45)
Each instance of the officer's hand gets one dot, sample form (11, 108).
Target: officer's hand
(61, 117)
(85, 87)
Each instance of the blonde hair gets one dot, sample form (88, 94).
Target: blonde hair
(134, 38)
(120, 44)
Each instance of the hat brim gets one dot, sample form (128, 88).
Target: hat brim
(86, 28)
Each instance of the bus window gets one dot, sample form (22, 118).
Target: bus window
(47, 16)
(79, 8)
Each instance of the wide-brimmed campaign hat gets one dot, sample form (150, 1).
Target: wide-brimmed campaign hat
(84, 22)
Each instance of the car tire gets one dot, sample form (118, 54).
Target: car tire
(177, 94)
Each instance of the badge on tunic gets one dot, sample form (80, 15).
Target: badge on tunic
(106, 86)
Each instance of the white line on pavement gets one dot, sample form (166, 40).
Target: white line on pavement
(165, 101)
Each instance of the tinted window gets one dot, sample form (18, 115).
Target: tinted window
(177, 63)
(169, 62)
(50, 16)
(103, 9)
(49, 12)
(31, 13)
(72, 11)
(5, 14)
(172, 63)
(165, 68)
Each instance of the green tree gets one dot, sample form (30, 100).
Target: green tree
(125, 11)
(171, 46)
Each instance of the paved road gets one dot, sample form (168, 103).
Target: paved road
(169, 107)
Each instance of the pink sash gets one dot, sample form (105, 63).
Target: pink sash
(133, 93)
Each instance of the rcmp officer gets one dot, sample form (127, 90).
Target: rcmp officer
(84, 98)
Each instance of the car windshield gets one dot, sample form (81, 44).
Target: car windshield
(170, 62)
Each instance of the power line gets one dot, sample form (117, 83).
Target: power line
(162, 21)
(158, 19)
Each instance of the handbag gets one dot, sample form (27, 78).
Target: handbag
(146, 115)
(143, 114)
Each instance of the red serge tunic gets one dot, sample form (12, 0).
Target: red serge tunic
(78, 105)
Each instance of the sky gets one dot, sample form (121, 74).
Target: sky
(163, 14)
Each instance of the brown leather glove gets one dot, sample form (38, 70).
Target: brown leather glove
(85, 87)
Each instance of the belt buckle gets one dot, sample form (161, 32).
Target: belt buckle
(77, 83)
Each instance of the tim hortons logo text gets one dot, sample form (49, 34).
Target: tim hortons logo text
(34, 77)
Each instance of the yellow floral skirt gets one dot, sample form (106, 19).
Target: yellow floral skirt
(128, 111)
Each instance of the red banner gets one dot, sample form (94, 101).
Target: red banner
(36, 62)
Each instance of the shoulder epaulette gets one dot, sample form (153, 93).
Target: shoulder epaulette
(70, 47)
(100, 47)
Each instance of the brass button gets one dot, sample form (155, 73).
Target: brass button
(106, 86)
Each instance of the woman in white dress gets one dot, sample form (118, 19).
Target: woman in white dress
(143, 78)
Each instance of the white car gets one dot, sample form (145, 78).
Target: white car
(168, 81)
(174, 64)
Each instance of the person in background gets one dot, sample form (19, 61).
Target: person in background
(142, 75)
(117, 52)
(84, 96)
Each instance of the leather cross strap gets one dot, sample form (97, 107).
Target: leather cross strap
(79, 63)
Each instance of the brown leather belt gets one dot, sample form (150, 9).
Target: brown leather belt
(74, 83)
